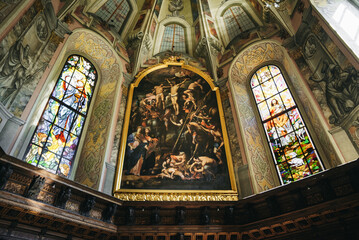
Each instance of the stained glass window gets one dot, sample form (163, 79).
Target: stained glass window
(173, 39)
(236, 21)
(55, 140)
(115, 13)
(291, 145)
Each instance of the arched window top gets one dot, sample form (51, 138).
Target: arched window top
(55, 140)
(115, 12)
(173, 38)
(236, 21)
(292, 148)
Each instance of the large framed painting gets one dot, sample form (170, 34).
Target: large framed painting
(174, 144)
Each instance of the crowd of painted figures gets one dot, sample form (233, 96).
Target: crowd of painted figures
(175, 131)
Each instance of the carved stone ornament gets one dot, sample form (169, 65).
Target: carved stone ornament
(5, 173)
(135, 39)
(108, 212)
(175, 6)
(35, 187)
(87, 205)
(62, 198)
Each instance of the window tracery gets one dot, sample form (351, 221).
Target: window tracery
(173, 38)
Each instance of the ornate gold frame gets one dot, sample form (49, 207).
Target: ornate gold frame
(173, 195)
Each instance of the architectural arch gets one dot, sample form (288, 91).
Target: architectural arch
(261, 171)
(227, 5)
(90, 157)
(174, 20)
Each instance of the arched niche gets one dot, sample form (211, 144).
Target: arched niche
(262, 174)
(98, 134)
(223, 8)
(161, 29)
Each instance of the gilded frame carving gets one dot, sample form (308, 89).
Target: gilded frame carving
(173, 195)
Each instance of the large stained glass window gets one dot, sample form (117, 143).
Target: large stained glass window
(173, 39)
(115, 13)
(56, 138)
(236, 21)
(292, 148)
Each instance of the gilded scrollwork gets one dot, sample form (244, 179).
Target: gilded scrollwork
(170, 196)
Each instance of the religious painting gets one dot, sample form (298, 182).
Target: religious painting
(24, 55)
(147, 4)
(212, 28)
(78, 13)
(158, 7)
(257, 6)
(174, 138)
(194, 7)
(197, 31)
(205, 8)
(104, 32)
(153, 28)
(140, 21)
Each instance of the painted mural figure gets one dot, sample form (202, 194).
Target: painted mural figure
(174, 139)
(13, 70)
(337, 95)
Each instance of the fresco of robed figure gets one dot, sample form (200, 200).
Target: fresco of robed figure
(175, 138)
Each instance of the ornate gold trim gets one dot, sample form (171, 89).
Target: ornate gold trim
(173, 195)
(170, 196)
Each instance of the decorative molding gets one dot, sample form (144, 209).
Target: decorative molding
(176, 196)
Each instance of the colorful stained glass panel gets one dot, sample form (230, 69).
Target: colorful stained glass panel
(51, 110)
(269, 89)
(42, 132)
(254, 81)
(287, 99)
(263, 74)
(263, 110)
(280, 83)
(55, 147)
(258, 93)
(274, 70)
(289, 140)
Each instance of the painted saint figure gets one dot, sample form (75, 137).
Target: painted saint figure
(174, 94)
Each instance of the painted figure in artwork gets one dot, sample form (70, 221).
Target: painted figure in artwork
(174, 94)
(174, 140)
(13, 70)
(337, 96)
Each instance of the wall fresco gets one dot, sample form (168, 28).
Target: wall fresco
(93, 152)
(25, 53)
(6, 8)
